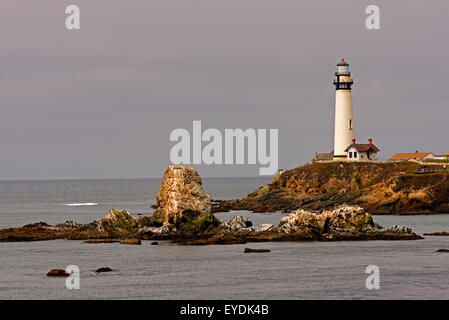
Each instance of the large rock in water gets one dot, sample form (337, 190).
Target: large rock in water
(344, 217)
(182, 201)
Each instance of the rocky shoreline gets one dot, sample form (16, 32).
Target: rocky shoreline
(341, 223)
(380, 188)
(184, 214)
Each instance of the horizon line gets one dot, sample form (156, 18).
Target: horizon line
(144, 178)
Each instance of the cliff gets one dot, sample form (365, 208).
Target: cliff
(379, 188)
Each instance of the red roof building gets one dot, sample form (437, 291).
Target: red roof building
(444, 156)
(362, 152)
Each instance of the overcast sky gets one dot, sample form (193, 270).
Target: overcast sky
(101, 102)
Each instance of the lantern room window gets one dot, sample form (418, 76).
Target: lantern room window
(343, 69)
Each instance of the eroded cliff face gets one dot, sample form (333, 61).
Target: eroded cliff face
(380, 188)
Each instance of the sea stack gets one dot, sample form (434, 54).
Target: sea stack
(344, 123)
(181, 198)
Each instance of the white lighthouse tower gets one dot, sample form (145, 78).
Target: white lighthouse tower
(344, 123)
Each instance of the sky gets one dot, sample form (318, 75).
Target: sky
(101, 102)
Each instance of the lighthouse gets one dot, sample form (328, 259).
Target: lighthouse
(345, 146)
(344, 122)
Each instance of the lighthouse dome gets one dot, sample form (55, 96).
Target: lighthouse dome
(342, 63)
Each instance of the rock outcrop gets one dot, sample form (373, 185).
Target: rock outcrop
(379, 188)
(183, 214)
(340, 223)
(237, 224)
(181, 202)
(351, 218)
(117, 221)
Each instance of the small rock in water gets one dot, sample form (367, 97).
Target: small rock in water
(103, 269)
(101, 241)
(154, 243)
(442, 250)
(249, 250)
(58, 273)
(131, 241)
(440, 233)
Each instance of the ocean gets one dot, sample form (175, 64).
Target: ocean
(292, 270)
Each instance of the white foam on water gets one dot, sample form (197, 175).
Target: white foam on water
(80, 204)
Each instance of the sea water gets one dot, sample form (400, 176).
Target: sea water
(292, 270)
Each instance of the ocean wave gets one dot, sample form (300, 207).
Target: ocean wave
(80, 204)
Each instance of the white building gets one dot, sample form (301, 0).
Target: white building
(442, 156)
(362, 152)
(345, 148)
(344, 123)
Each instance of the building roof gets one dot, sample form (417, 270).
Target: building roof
(363, 147)
(342, 63)
(442, 155)
(412, 155)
